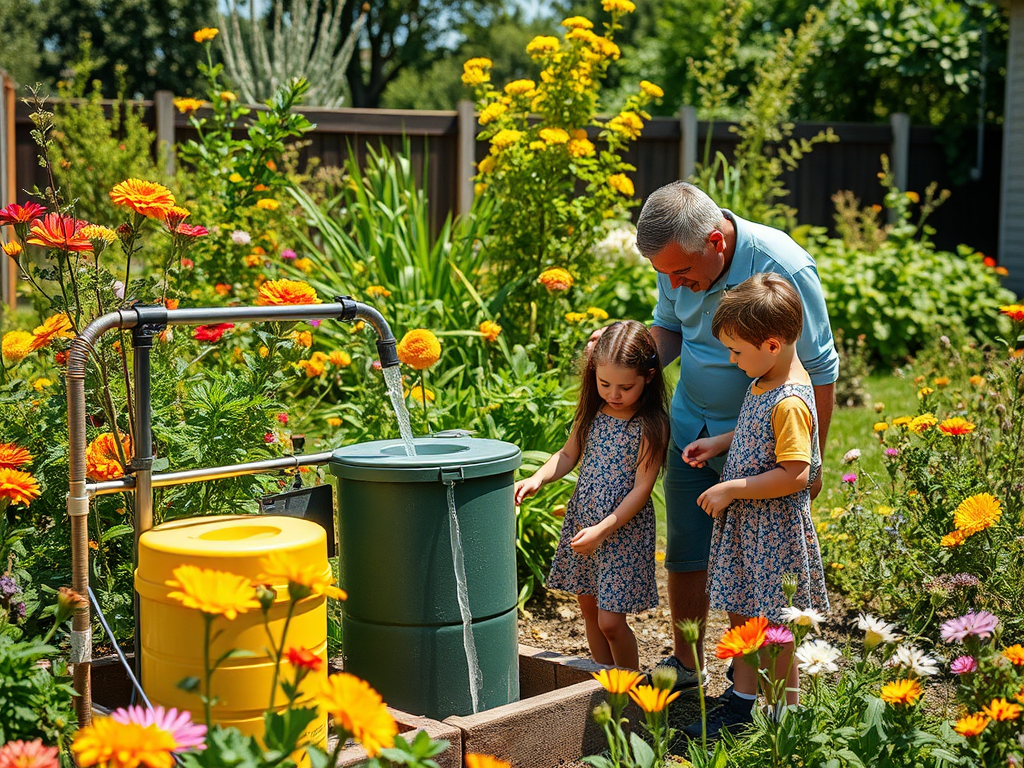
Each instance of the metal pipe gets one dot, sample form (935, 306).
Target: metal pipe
(78, 502)
(213, 473)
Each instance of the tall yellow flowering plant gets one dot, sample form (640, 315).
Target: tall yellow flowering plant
(554, 169)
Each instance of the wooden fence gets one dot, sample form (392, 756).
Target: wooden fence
(443, 142)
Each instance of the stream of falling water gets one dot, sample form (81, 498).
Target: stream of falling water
(393, 379)
(468, 641)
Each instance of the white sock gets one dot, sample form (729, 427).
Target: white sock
(745, 696)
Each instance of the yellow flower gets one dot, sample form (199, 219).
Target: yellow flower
(556, 279)
(253, 260)
(187, 106)
(651, 89)
(303, 579)
(267, 204)
(617, 680)
(13, 456)
(41, 383)
(110, 744)
(474, 75)
(954, 539)
(419, 349)
(581, 148)
(578, 22)
(303, 338)
(313, 368)
(1001, 710)
(575, 317)
(358, 710)
(378, 290)
(478, 189)
(274, 293)
(417, 392)
(505, 138)
(597, 313)
(264, 351)
(215, 593)
(618, 6)
(956, 427)
(620, 182)
(651, 699)
(1014, 654)
(880, 426)
(902, 421)
(54, 327)
(913, 197)
(905, 691)
(205, 34)
(340, 358)
(976, 380)
(96, 232)
(16, 344)
(924, 392)
(476, 760)
(920, 423)
(305, 265)
(227, 96)
(18, 486)
(490, 330)
(487, 164)
(605, 48)
(333, 421)
(236, 178)
(971, 725)
(941, 381)
(12, 249)
(492, 112)
(542, 46)
(978, 512)
(554, 135)
(628, 124)
(520, 87)
(884, 510)
(537, 146)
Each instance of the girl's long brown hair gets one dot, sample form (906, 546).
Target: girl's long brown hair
(629, 344)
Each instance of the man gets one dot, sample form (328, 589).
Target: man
(699, 250)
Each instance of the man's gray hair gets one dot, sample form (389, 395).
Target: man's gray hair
(676, 213)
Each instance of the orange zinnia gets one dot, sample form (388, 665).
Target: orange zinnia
(54, 327)
(102, 461)
(277, 293)
(1000, 710)
(13, 456)
(971, 725)
(145, 197)
(905, 691)
(419, 349)
(1014, 312)
(743, 640)
(956, 426)
(17, 487)
(61, 232)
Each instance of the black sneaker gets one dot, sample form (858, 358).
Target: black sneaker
(735, 714)
(730, 675)
(686, 678)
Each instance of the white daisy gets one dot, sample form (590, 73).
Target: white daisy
(914, 660)
(802, 618)
(876, 631)
(817, 656)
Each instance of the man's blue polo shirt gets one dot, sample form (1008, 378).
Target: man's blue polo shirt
(711, 389)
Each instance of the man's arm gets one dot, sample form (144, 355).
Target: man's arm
(824, 399)
(669, 344)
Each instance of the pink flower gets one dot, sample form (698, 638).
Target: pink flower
(288, 253)
(186, 734)
(892, 452)
(187, 263)
(850, 478)
(778, 636)
(270, 437)
(962, 665)
(376, 365)
(28, 754)
(981, 624)
(283, 418)
(315, 323)
(21, 214)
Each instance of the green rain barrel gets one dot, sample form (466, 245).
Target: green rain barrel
(403, 630)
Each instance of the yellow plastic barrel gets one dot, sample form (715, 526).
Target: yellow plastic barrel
(171, 636)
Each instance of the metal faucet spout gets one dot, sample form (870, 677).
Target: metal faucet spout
(386, 344)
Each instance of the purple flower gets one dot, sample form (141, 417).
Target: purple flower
(891, 452)
(7, 586)
(962, 665)
(315, 323)
(19, 609)
(778, 636)
(981, 624)
(288, 253)
(241, 237)
(850, 478)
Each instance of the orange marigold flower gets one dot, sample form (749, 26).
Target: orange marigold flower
(205, 34)
(1014, 311)
(905, 691)
(313, 368)
(358, 710)
(17, 487)
(971, 725)
(15, 345)
(12, 249)
(145, 197)
(977, 380)
(920, 423)
(1001, 710)
(556, 279)
(956, 426)
(1014, 654)
(978, 512)
(187, 105)
(378, 290)
(102, 461)
(28, 754)
(304, 659)
(419, 349)
(13, 456)
(476, 760)
(954, 538)
(61, 232)
(621, 183)
(743, 640)
(340, 358)
(490, 330)
(54, 327)
(274, 293)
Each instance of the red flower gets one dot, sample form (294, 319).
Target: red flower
(62, 232)
(212, 333)
(191, 230)
(187, 263)
(303, 659)
(21, 214)
(988, 261)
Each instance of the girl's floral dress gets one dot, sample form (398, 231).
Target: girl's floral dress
(620, 573)
(755, 541)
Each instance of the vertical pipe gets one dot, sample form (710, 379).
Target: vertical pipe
(163, 107)
(142, 461)
(687, 141)
(467, 155)
(900, 167)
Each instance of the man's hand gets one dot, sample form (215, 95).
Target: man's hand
(587, 540)
(716, 498)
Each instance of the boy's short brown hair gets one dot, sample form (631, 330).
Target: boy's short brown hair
(763, 306)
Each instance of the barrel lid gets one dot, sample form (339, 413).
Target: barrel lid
(437, 459)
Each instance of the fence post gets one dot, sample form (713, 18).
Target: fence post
(467, 154)
(8, 183)
(900, 122)
(687, 141)
(163, 105)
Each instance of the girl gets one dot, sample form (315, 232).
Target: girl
(621, 430)
(762, 506)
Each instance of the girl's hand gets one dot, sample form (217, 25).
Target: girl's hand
(716, 498)
(697, 453)
(526, 488)
(587, 540)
